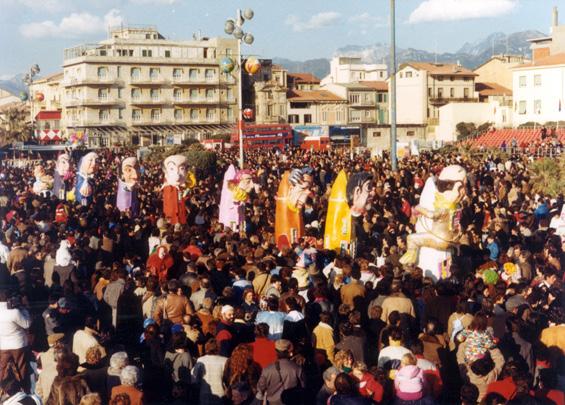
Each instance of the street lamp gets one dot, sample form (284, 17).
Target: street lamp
(392, 88)
(28, 80)
(234, 27)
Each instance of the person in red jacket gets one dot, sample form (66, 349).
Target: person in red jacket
(159, 263)
(174, 189)
(263, 349)
(368, 386)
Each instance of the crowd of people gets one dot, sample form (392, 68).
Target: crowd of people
(101, 306)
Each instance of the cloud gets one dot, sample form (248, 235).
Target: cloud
(73, 26)
(451, 10)
(366, 19)
(317, 21)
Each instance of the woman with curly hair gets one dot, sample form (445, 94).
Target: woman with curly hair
(343, 361)
(241, 370)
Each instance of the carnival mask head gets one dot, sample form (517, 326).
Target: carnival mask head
(88, 163)
(129, 171)
(244, 180)
(63, 165)
(451, 183)
(359, 189)
(175, 170)
(301, 181)
(38, 172)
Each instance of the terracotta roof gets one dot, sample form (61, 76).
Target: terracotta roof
(303, 78)
(447, 69)
(557, 59)
(313, 95)
(53, 76)
(492, 89)
(377, 85)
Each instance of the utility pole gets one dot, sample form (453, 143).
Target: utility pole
(392, 87)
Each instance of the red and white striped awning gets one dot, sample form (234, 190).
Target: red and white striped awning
(48, 134)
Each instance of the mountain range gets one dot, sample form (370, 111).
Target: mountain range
(469, 55)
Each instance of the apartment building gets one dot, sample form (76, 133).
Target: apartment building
(423, 87)
(346, 69)
(498, 69)
(303, 81)
(139, 87)
(316, 107)
(539, 87)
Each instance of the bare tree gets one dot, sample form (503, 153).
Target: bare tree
(15, 125)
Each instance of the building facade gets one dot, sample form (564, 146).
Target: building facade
(138, 87)
(344, 69)
(498, 69)
(316, 107)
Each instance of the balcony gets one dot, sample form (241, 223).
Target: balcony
(197, 101)
(94, 81)
(363, 103)
(95, 102)
(95, 123)
(195, 81)
(150, 101)
(150, 82)
(149, 121)
(439, 101)
(362, 120)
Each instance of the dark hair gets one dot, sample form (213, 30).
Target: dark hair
(479, 322)
(469, 394)
(345, 385)
(67, 365)
(211, 347)
(494, 398)
(483, 366)
(178, 340)
(262, 330)
(417, 347)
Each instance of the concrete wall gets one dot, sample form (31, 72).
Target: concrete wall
(411, 97)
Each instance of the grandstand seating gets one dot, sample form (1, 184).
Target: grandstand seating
(524, 137)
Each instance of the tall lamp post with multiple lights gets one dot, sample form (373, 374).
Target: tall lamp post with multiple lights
(393, 158)
(234, 27)
(28, 80)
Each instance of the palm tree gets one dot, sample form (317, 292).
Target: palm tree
(15, 125)
(547, 175)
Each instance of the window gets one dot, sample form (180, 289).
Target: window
(401, 75)
(177, 94)
(209, 73)
(177, 73)
(408, 75)
(452, 92)
(135, 94)
(451, 78)
(120, 93)
(194, 114)
(120, 113)
(119, 71)
(210, 94)
(135, 73)
(167, 54)
(136, 115)
(537, 80)
(430, 92)
(522, 81)
(440, 92)
(381, 74)
(440, 78)
(537, 106)
(324, 116)
(154, 73)
(293, 119)
(230, 112)
(354, 98)
(466, 92)
(154, 93)
(210, 114)
(178, 115)
(205, 53)
(193, 94)
(230, 94)
(338, 116)
(147, 53)
(102, 94)
(367, 113)
(102, 72)
(269, 110)
(376, 134)
(104, 115)
(522, 107)
(307, 118)
(155, 115)
(193, 74)
(410, 133)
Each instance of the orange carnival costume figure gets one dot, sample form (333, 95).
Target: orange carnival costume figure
(174, 189)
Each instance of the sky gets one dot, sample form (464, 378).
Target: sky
(37, 31)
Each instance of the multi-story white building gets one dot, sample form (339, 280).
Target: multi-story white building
(139, 87)
(539, 87)
(423, 87)
(344, 69)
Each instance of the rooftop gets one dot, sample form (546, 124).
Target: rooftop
(53, 77)
(448, 69)
(377, 85)
(312, 95)
(557, 59)
(303, 78)
(492, 89)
